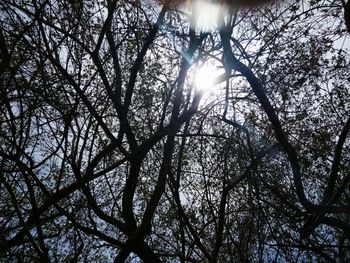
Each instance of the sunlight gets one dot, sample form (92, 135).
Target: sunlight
(204, 77)
(206, 15)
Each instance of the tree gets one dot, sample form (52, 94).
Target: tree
(110, 150)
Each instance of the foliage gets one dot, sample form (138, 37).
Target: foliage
(110, 151)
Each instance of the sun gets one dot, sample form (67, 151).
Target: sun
(204, 77)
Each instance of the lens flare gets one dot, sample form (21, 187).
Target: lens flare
(206, 15)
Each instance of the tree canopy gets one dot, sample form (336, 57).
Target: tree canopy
(133, 130)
